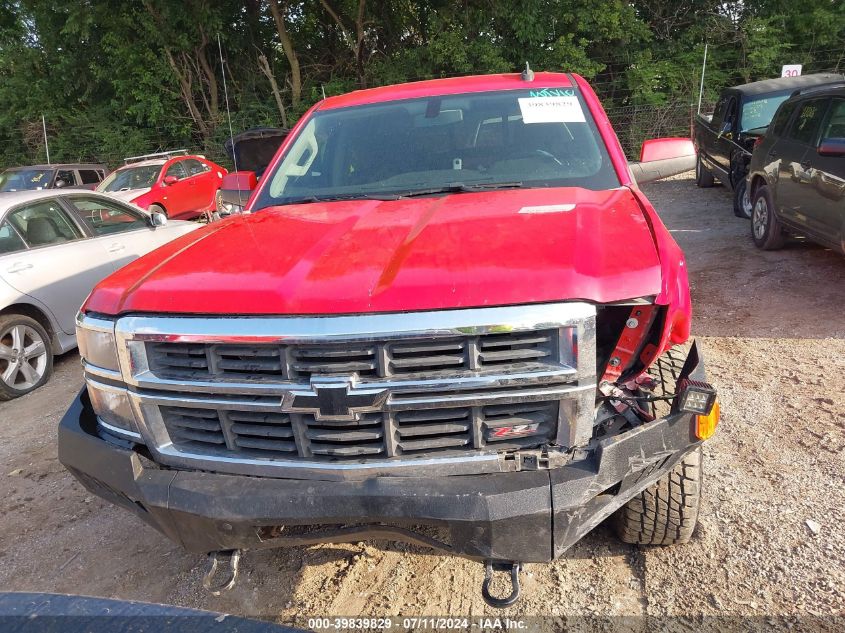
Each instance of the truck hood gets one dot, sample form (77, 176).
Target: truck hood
(453, 251)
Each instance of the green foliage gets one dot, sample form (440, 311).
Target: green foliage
(114, 79)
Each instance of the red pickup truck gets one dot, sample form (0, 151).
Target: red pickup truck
(450, 317)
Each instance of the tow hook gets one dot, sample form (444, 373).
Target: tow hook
(229, 558)
(489, 568)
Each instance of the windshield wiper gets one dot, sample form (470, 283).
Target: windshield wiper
(452, 187)
(339, 197)
(459, 187)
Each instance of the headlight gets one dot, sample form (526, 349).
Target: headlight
(110, 402)
(113, 409)
(95, 338)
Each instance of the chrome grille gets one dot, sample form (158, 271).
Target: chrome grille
(268, 435)
(349, 396)
(382, 359)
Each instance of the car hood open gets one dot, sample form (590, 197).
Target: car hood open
(430, 253)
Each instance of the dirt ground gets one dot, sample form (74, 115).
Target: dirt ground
(770, 540)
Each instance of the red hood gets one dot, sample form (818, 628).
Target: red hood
(462, 250)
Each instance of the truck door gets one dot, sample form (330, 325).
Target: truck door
(724, 143)
(795, 151)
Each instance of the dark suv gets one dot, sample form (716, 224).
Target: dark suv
(797, 171)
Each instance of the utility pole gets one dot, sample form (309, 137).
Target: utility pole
(46, 145)
(226, 99)
(701, 87)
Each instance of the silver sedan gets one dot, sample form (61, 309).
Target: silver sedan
(54, 248)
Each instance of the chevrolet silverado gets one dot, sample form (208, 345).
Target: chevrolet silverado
(449, 317)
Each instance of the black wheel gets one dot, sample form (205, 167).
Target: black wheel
(742, 200)
(26, 359)
(666, 512)
(766, 229)
(157, 208)
(703, 178)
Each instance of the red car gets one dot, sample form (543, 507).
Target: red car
(451, 317)
(182, 187)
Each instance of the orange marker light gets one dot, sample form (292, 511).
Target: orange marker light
(705, 425)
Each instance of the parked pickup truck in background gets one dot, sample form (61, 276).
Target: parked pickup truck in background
(450, 317)
(725, 139)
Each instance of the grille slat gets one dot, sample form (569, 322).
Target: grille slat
(434, 429)
(323, 368)
(199, 424)
(198, 436)
(427, 357)
(446, 442)
(510, 355)
(264, 444)
(330, 359)
(426, 347)
(492, 341)
(260, 430)
(342, 436)
(421, 362)
(348, 451)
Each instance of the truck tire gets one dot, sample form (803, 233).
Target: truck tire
(742, 200)
(666, 512)
(703, 178)
(766, 229)
(26, 356)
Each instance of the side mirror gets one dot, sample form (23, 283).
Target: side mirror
(158, 219)
(663, 157)
(234, 192)
(832, 147)
(726, 129)
(244, 181)
(60, 184)
(169, 180)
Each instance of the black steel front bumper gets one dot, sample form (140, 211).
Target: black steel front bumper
(529, 516)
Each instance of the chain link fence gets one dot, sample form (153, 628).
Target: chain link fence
(633, 125)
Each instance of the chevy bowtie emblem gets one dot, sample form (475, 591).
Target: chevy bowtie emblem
(335, 399)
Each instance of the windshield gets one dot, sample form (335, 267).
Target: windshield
(523, 138)
(131, 178)
(758, 113)
(23, 179)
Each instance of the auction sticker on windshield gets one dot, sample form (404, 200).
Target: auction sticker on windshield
(551, 110)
